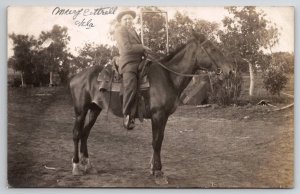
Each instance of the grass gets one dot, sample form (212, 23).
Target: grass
(260, 93)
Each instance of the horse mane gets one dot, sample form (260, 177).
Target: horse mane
(175, 52)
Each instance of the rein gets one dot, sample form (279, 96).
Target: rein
(177, 73)
(186, 74)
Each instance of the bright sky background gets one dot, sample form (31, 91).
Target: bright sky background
(33, 20)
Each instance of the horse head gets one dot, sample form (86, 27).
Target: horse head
(209, 57)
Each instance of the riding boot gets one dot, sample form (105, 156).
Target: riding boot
(128, 122)
(129, 99)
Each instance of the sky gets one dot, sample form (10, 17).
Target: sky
(85, 25)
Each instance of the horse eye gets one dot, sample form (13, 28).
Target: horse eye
(219, 71)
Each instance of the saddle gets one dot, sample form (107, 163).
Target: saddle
(111, 80)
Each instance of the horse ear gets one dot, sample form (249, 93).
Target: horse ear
(199, 37)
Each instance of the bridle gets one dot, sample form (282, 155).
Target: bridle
(219, 71)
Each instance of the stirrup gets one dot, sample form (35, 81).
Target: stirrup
(128, 122)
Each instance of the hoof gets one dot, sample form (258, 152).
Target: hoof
(160, 178)
(76, 170)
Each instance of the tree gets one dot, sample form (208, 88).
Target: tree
(181, 28)
(274, 80)
(285, 60)
(12, 79)
(57, 51)
(39, 75)
(23, 56)
(276, 73)
(246, 34)
(92, 54)
(209, 29)
(11, 63)
(154, 28)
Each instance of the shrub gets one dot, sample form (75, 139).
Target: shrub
(274, 80)
(227, 91)
(16, 82)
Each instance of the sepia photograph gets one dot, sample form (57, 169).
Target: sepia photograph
(150, 97)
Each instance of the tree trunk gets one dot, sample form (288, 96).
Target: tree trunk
(22, 80)
(51, 79)
(251, 72)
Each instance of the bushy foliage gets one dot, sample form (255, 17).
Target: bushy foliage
(15, 82)
(35, 61)
(23, 55)
(247, 32)
(179, 29)
(275, 70)
(274, 80)
(93, 54)
(286, 61)
(227, 91)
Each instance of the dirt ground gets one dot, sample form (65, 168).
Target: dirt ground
(219, 147)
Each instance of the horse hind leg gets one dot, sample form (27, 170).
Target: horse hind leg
(94, 112)
(77, 133)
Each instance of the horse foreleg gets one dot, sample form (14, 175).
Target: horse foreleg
(77, 132)
(159, 120)
(84, 159)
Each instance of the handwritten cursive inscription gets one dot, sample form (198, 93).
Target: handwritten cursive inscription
(83, 21)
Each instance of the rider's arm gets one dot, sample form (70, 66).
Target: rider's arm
(124, 44)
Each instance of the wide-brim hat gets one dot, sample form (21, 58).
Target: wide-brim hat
(125, 11)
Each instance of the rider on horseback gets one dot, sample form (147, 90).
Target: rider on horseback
(131, 52)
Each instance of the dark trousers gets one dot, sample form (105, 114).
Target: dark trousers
(129, 93)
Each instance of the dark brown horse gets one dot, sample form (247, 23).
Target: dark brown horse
(166, 86)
